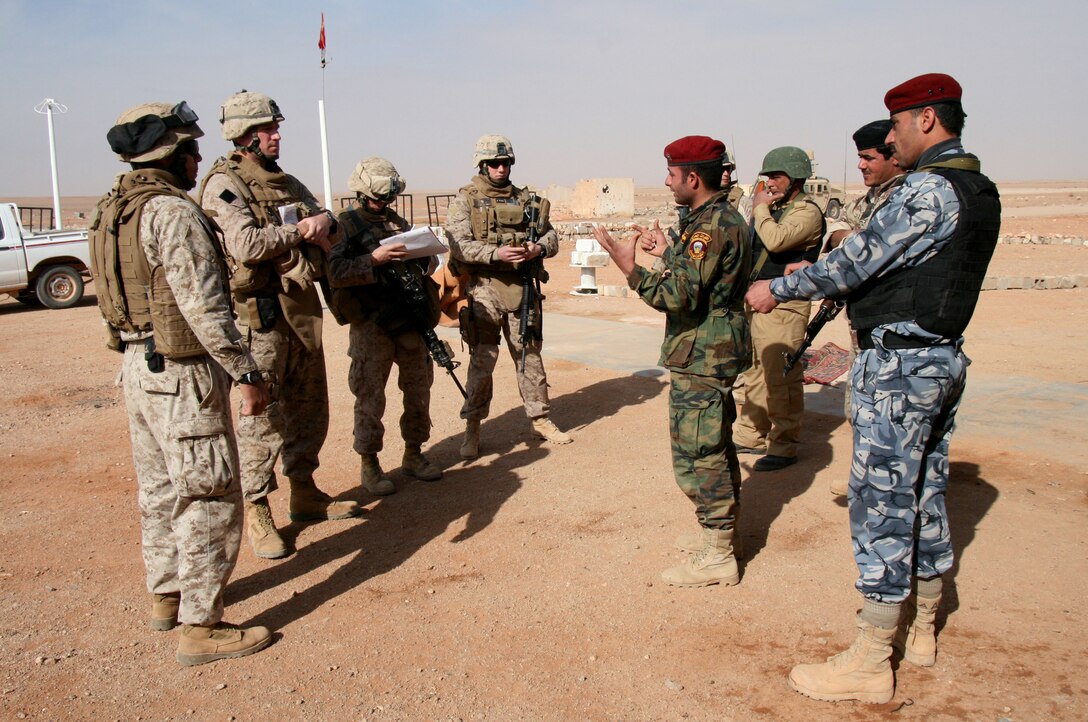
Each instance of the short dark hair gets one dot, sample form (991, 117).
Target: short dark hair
(709, 173)
(950, 115)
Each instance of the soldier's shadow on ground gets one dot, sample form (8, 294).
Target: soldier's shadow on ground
(764, 494)
(400, 525)
(969, 500)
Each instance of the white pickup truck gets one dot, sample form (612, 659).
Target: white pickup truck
(46, 267)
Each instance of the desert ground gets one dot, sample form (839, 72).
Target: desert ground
(524, 584)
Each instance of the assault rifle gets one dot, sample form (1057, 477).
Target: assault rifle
(829, 309)
(530, 290)
(415, 298)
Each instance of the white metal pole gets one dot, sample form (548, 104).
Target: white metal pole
(46, 108)
(53, 165)
(325, 155)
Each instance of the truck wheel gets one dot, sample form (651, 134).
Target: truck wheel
(59, 287)
(834, 208)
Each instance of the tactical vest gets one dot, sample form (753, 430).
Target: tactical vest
(504, 221)
(133, 296)
(775, 263)
(363, 232)
(263, 193)
(940, 294)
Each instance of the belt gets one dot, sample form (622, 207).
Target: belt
(891, 340)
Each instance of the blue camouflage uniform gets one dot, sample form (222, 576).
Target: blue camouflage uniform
(905, 399)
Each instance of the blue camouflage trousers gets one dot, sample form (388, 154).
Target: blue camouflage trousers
(904, 410)
(704, 458)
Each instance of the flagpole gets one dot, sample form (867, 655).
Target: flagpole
(321, 117)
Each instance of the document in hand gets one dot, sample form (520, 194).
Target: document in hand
(419, 242)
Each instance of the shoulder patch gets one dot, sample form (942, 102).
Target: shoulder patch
(698, 245)
(227, 197)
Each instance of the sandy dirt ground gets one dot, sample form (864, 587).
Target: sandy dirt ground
(524, 585)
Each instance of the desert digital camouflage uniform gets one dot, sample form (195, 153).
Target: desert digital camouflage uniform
(774, 402)
(179, 418)
(856, 214)
(495, 289)
(905, 399)
(381, 330)
(706, 345)
(288, 351)
(735, 193)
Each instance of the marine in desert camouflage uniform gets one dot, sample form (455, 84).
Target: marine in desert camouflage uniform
(701, 291)
(489, 230)
(368, 294)
(911, 279)
(161, 287)
(275, 235)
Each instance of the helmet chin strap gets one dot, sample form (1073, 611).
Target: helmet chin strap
(254, 147)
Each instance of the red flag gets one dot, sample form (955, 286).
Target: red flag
(321, 40)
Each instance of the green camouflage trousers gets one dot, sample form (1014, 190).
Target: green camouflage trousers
(373, 354)
(187, 469)
(296, 421)
(704, 458)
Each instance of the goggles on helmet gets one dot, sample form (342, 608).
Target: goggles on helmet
(144, 133)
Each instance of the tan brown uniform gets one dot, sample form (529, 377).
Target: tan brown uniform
(382, 331)
(773, 402)
(279, 315)
(183, 446)
(481, 218)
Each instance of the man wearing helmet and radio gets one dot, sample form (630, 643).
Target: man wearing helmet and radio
(495, 229)
(383, 329)
(275, 235)
(162, 290)
(787, 228)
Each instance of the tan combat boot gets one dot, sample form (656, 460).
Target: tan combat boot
(918, 640)
(713, 564)
(371, 477)
(308, 503)
(863, 672)
(200, 645)
(263, 537)
(545, 429)
(470, 447)
(164, 611)
(838, 485)
(415, 464)
(692, 541)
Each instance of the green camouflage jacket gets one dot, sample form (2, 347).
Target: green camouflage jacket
(702, 291)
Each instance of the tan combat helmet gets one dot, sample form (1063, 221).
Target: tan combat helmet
(728, 163)
(492, 147)
(152, 131)
(246, 109)
(377, 179)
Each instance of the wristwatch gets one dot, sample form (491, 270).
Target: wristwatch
(250, 378)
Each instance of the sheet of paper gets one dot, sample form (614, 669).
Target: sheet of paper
(419, 242)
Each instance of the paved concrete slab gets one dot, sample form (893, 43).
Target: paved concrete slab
(1018, 413)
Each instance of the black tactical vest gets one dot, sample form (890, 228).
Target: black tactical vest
(775, 264)
(940, 294)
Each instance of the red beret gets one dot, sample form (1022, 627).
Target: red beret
(922, 91)
(694, 150)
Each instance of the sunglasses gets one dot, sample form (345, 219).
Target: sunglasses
(498, 163)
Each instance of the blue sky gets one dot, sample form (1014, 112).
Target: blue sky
(583, 89)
